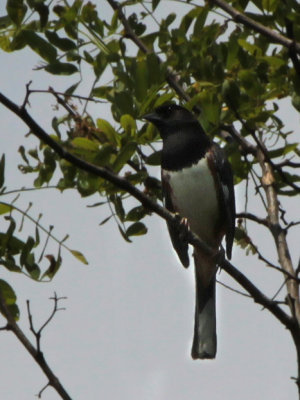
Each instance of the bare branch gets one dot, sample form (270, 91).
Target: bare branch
(36, 355)
(148, 203)
(39, 395)
(233, 290)
(258, 296)
(54, 311)
(75, 96)
(37, 333)
(277, 231)
(246, 146)
(252, 217)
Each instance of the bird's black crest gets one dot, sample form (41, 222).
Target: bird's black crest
(174, 112)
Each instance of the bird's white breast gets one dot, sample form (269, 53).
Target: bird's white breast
(194, 196)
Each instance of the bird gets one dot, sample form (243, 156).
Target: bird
(197, 184)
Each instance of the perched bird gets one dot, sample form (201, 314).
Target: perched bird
(197, 183)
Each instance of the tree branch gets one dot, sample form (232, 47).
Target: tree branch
(38, 333)
(170, 78)
(148, 203)
(36, 355)
(279, 233)
(239, 17)
(258, 296)
(252, 217)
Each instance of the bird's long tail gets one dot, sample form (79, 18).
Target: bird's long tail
(205, 337)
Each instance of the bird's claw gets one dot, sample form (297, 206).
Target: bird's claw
(183, 227)
(219, 256)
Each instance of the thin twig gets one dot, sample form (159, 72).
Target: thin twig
(234, 290)
(130, 34)
(75, 96)
(39, 395)
(36, 355)
(239, 17)
(148, 203)
(252, 217)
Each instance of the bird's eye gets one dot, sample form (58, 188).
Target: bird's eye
(169, 111)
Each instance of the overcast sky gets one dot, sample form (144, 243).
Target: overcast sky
(127, 329)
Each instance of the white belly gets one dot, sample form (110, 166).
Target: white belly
(194, 195)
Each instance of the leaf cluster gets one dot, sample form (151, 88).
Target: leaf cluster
(234, 74)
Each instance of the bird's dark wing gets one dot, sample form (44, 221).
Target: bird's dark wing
(180, 245)
(226, 194)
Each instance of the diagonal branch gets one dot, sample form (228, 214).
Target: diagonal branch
(239, 17)
(259, 297)
(148, 203)
(170, 78)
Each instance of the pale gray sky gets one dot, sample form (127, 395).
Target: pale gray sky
(128, 325)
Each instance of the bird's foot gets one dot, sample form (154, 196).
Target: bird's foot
(219, 256)
(182, 227)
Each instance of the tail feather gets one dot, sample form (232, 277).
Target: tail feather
(205, 337)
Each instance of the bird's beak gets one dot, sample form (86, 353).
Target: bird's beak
(152, 117)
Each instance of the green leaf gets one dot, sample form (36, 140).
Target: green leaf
(86, 144)
(5, 43)
(104, 155)
(5, 22)
(124, 155)
(283, 150)
(79, 256)
(13, 244)
(63, 44)
(154, 158)
(250, 48)
(105, 220)
(200, 20)
(231, 93)
(270, 5)
(155, 4)
(42, 47)
(136, 229)
(5, 208)
(43, 12)
(7, 292)
(128, 124)
(108, 130)
(25, 255)
(59, 68)
(10, 298)
(16, 10)
(136, 213)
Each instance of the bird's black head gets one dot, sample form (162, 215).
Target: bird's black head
(169, 116)
(184, 140)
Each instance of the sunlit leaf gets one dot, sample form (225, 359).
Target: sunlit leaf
(79, 256)
(108, 130)
(124, 155)
(5, 208)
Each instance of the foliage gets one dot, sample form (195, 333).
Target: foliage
(235, 74)
(231, 73)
